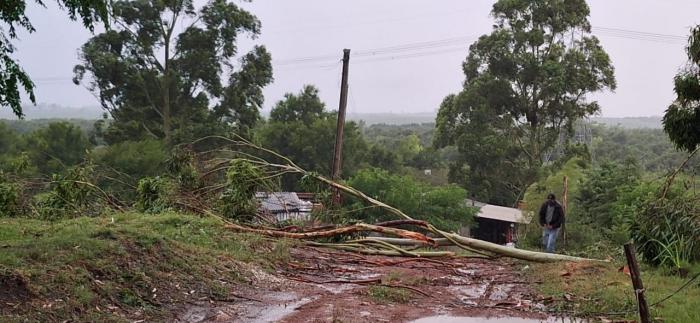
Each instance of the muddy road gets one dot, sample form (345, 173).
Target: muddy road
(320, 285)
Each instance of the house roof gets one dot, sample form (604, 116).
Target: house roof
(281, 202)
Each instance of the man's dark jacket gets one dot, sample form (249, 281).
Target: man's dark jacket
(557, 216)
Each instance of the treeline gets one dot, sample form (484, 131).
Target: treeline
(56, 169)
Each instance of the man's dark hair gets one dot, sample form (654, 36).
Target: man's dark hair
(551, 196)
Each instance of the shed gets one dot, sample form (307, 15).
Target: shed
(497, 224)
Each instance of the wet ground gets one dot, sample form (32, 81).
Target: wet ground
(319, 285)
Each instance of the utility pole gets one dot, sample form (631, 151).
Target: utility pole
(338, 153)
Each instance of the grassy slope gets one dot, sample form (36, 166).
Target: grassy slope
(120, 267)
(593, 289)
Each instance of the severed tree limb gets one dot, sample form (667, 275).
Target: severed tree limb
(360, 227)
(395, 223)
(389, 246)
(375, 252)
(441, 242)
(515, 253)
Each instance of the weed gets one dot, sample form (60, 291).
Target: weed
(386, 294)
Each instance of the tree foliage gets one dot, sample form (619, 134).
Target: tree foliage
(307, 135)
(159, 79)
(682, 119)
(442, 206)
(305, 106)
(243, 180)
(526, 82)
(651, 149)
(13, 78)
(56, 147)
(598, 195)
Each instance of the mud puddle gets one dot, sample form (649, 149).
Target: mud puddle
(468, 319)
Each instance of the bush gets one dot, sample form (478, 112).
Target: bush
(600, 190)
(71, 195)
(666, 230)
(181, 165)
(443, 206)
(243, 179)
(154, 195)
(10, 198)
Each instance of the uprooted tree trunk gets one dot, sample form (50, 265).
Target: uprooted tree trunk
(379, 245)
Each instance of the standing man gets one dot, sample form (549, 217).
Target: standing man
(551, 219)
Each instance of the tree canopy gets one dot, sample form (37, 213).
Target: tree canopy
(159, 79)
(682, 119)
(526, 82)
(301, 129)
(305, 106)
(12, 15)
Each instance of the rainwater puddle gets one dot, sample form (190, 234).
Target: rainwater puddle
(276, 312)
(467, 319)
(471, 291)
(336, 289)
(500, 292)
(247, 311)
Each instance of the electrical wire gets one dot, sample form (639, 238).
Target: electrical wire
(423, 49)
(676, 292)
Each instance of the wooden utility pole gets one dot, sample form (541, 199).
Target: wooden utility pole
(630, 253)
(565, 204)
(338, 153)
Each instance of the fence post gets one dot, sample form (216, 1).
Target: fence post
(630, 254)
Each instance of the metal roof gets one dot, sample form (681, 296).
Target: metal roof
(503, 213)
(282, 202)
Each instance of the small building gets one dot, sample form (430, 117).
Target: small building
(497, 224)
(284, 206)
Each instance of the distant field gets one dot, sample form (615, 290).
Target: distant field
(653, 122)
(44, 111)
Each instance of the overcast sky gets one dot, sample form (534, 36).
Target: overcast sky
(407, 53)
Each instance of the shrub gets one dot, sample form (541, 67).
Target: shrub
(71, 195)
(237, 200)
(154, 195)
(667, 230)
(181, 165)
(10, 198)
(443, 206)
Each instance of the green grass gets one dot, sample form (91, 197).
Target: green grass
(83, 267)
(592, 289)
(386, 294)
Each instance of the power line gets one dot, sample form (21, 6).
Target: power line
(642, 33)
(410, 47)
(425, 48)
(378, 51)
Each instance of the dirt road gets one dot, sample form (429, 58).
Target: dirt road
(319, 285)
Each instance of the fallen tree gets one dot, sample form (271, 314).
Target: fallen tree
(374, 245)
